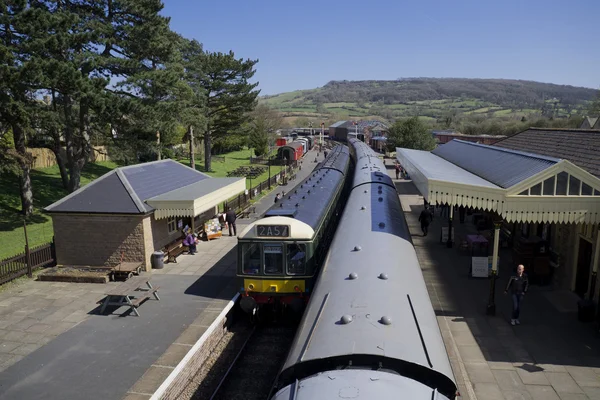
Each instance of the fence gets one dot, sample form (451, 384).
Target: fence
(241, 201)
(25, 263)
(44, 158)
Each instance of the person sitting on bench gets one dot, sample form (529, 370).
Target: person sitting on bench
(190, 242)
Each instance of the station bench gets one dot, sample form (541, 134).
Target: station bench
(174, 250)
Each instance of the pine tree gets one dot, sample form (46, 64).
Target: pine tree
(16, 81)
(228, 96)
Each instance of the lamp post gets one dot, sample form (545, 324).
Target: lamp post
(491, 306)
(321, 139)
(269, 163)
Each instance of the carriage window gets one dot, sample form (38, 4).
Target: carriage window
(273, 259)
(296, 259)
(251, 259)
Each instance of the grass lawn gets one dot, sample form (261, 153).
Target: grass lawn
(47, 189)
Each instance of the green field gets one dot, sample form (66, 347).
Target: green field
(47, 189)
(391, 100)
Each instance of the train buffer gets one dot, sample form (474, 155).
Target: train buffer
(131, 293)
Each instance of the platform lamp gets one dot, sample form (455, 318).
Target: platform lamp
(491, 306)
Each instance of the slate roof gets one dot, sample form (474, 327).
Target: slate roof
(124, 190)
(502, 167)
(579, 146)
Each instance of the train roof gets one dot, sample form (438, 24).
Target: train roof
(308, 201)
(357, 384)
(370, 303)
(298, 230)
(337, 158)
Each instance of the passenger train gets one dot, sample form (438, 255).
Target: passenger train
(280, 254)
(369, 330)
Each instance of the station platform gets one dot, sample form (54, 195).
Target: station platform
(550, 356)
(54, 343)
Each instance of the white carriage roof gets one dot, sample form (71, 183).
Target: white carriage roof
(519, 186)
(298, 229)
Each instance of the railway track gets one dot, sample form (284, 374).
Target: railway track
(252, 372)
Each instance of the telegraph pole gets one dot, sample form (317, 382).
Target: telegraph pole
(158, 145)
(322, 128)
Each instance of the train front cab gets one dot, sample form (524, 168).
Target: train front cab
(275, 268)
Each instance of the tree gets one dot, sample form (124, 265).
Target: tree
(16, 80)
(228, 96)
(594, 107)
(263, 126)
(410, 134)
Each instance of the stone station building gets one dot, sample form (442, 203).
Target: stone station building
(130, 212)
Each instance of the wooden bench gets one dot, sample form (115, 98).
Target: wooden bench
(125, 294)
(174, 250)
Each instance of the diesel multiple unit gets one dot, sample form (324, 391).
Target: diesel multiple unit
(280, 254)
(369, 330)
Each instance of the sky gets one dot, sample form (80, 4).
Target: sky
(305, 44)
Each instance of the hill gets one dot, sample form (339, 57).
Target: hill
(434, 98)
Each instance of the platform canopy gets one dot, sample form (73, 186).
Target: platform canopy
(194, 199)
(519, 186)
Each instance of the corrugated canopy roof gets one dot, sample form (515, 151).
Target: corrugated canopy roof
(127, 190)
(521, 187)
(503, 167)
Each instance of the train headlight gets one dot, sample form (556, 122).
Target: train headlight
(250, 286)
(273, 288)
(297, 288)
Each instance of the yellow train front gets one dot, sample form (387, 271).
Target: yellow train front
(280, 254)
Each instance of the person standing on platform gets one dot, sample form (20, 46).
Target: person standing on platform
(518, 285)
(425, 218)
(397, 171)
(230, 218)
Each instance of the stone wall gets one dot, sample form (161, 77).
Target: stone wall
(160, 235)
(98, 239)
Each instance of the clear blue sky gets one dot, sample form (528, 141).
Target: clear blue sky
(305, 44)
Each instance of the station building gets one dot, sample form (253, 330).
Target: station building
(540, 186)
(130, 212)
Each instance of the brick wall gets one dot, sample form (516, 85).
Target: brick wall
(98, 239)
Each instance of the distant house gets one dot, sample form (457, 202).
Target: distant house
(130, 212)
(342, 129)
(590, 123)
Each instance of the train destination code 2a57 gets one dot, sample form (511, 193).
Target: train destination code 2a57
(273, 230)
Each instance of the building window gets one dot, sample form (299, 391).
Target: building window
(561, 184)
(549, 187)
(574, 186)
(586, 190)
(172, 225)
(536, 190)
(524, 193)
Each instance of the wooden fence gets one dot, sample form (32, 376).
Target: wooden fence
(242, 201)
(25, 263)
(44, 158)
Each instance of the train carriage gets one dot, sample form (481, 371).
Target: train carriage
(280, 254)
(292, 151)
(369, 330)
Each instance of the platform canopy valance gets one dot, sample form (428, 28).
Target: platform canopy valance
(521, 187)
(194, 199)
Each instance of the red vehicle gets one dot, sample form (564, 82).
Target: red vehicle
(293, 151)
(282, 141)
